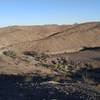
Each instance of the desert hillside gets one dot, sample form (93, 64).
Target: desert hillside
(52, 39)
(17, 34)
(50, 62)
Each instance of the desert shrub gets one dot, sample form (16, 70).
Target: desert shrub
(61, 65)
(43, 56)
(37, 56)
(28, 78)
(75, 70)
(46, 65)
(83, 73)
(10, 53)
(30, 53)
(27, 59)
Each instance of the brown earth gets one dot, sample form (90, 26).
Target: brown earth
(78, 42)
(52, 39)
(43, 59)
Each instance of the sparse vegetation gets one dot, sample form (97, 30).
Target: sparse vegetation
(54, 69)
(37, 56)
(10, 53)
(27, 59)
(70, 69)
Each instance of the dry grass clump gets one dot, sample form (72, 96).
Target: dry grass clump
(10, 53)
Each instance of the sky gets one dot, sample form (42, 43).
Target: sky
(37, 12)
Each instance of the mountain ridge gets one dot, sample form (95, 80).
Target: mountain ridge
(53, 38)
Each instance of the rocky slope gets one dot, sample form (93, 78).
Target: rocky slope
(50, 62)
(52, 39)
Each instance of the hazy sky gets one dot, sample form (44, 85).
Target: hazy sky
(24, 12)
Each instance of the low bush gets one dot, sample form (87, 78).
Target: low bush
(10, 53)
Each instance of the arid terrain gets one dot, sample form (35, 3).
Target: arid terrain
(50, 62)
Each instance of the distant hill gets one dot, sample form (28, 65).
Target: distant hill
(51, 39)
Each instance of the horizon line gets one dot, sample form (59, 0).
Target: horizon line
(49, 24)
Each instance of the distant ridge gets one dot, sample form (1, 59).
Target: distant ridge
(51, 38)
